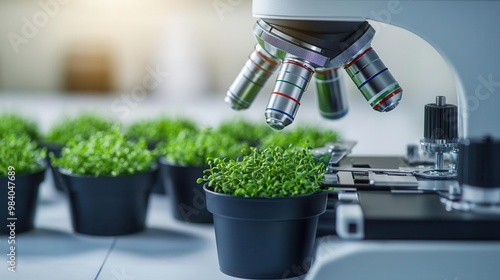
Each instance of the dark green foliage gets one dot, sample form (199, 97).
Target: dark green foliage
(315, 137)
(271, 172)
(161, 129)
(20, 152)
(244, 130)
(191, 148)
(15, 124)
(105, 154)
(81, 127)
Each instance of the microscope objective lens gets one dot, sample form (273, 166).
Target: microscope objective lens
(252, 77)
(284, 101)
(332, 99)
(374, 80)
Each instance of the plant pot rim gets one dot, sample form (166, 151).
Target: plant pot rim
(147, 139)
(51, 145)
(42, 167)
(163, 160)
(268, 209)
(67, 173)
(205, 187)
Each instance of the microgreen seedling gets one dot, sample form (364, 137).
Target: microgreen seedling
(15, 124)
(272, 172)
(315, 137)
(20, 152)
(161, 129)
(244, 130)
(191, 148)
(105, 154)
(81, 127)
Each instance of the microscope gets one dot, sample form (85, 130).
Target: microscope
(392, 220)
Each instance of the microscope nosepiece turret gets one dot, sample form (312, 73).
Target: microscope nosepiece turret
(307, 48)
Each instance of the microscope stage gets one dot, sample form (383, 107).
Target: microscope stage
(389, 215)
(399, 206)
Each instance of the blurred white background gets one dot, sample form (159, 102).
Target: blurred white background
(95, 54)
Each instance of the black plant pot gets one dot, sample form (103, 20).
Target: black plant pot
(26, 195)
(188, 197)
(265, 238)
(158, 186)
(56, 150)
(108, 205)
(327, 220)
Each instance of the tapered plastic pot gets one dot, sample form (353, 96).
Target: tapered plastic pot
(108, 205)
(158, 187)
(187, 197)
(326, 222)
(56, 150)
(25, 198)
(265, 238)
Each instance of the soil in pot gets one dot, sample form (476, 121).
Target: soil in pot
(265, 238)
(108, 205)
(187, 196)
(26, 195)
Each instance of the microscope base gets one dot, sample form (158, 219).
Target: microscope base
(410, 260)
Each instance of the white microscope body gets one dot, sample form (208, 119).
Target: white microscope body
(466, 34)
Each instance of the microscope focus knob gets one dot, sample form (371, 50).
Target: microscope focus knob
(479, 163)
(440, 137)
(440, 121)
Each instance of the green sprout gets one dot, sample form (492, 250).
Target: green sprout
(105, 154)
(11, 123)
(244, 131)
(80, 127)
(20, 152)
(315, 137)
(191, 148)
(272, 172)
(161, 129)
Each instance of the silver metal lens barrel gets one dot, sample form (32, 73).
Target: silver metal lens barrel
(374, 80)
(252, 77)
(332, 100)
(291, 83)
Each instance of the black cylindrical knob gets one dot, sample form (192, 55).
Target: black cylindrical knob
(479, 163)
(441, 120)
